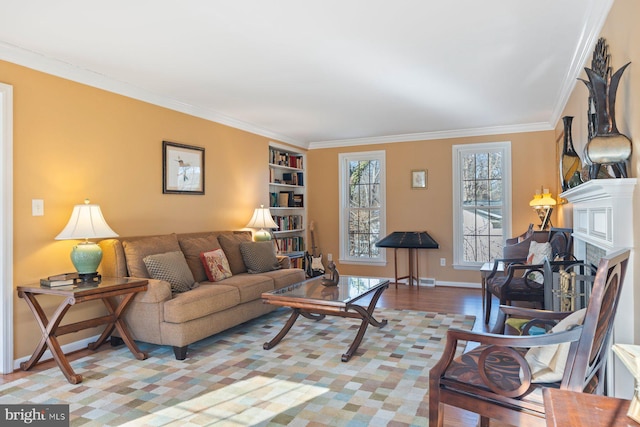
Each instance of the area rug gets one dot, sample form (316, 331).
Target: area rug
(229, 380)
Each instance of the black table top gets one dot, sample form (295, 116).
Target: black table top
(408, 239)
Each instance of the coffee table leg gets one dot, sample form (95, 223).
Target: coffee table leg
(287, 326)
(367, 318)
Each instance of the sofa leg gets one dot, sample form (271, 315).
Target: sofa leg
(180, 352)
(116, 341)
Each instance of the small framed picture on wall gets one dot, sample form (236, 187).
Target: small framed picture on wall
(182, 169)
(419, 179)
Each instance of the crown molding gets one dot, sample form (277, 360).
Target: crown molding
(39, 62)
(428, 136)
(591, 30)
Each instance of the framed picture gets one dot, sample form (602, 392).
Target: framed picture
(419, 179)
(298, 200)
(182, 169)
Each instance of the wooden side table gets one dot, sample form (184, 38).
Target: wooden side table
(565, 408)
(76, 294)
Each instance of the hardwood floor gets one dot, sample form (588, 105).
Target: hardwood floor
(438, 299)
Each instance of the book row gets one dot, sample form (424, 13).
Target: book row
(283, 158)
(288, 222)
(290, 244)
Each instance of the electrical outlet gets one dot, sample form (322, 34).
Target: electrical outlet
(329, 257)
(443, 262)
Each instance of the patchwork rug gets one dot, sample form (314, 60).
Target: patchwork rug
(229, 380)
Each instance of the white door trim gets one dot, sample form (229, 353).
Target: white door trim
(6, 228)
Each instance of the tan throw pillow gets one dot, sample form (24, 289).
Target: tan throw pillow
(192, 247)
(216, 265)
(136, 249)
(171, 267)
(537, 253)
(230, 244)
(259, 256)
(547, 362)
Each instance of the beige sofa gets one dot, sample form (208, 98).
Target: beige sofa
(161, 317)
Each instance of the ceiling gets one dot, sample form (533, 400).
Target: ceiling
(319, 73)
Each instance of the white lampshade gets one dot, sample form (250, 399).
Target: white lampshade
(262, 219)
(86, 222)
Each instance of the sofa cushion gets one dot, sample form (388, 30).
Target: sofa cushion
(192, 247)
(200, 302)
(230, 244)
(250, 286)
(216, 265)
(136, 249)
(173, 268)
(285, 277)
(259, 256)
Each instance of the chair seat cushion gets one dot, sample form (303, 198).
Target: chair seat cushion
(501, 369)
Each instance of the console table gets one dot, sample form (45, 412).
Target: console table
(76, 294)
(412, 240)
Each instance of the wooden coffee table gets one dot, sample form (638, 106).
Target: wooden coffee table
(314, 301)
(76, 294)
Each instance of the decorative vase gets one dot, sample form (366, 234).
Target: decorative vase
(569, 159)
(607, 146)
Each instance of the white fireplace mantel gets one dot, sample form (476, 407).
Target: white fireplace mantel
(603, 221)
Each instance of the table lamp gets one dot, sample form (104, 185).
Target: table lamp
(262, 219)
(86, 222)
(543, 204)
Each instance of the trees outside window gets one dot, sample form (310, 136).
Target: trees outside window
(482, 201)
(362, 202)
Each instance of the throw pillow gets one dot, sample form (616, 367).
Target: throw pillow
(192, 246)
(171, 267)
(547, 362)
(259, 256)
(230, 244)
(537, 253)
(216, 265)
(136, 249)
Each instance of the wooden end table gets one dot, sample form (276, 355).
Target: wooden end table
(565, 408)
(76, 294)
(314, 301)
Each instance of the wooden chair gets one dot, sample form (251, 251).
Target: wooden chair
(486, 380)
(516, 284)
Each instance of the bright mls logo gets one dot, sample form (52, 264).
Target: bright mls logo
(34, 415)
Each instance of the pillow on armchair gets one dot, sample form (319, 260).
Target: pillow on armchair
(537, 253)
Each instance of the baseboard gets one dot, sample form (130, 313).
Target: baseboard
(459, 284)
(67, 348)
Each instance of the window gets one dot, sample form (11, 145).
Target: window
(362, 207)
(481, 202)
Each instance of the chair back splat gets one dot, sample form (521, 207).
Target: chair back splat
(498, 379)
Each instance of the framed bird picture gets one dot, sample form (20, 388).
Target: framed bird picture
(182, 169)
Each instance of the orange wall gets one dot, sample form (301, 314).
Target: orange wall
(73, 142)
(533, 162)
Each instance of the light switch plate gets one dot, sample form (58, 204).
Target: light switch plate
(37, 207)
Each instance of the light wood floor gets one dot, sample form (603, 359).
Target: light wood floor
(438, 299)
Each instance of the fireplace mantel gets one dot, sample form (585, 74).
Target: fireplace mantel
(602, 223)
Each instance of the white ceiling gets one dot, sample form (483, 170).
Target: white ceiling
(321, 72)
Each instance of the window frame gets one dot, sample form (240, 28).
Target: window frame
(458, 234)
(343, 174)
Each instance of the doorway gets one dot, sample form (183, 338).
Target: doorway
(6, 228)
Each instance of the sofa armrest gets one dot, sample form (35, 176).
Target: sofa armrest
(157, 291)
(284, 261)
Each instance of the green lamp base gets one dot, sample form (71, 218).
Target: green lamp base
(86, 257)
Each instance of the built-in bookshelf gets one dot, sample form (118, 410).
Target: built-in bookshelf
(287, 200)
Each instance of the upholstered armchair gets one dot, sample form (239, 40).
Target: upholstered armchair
(523, 278)
(499, 377)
